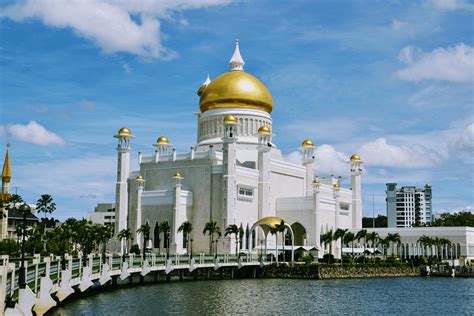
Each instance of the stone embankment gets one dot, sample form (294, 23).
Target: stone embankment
(336, 272)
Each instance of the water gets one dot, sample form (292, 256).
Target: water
(375, 296)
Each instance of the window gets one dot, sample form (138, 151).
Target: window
(246, 192)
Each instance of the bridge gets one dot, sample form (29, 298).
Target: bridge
(47, 283)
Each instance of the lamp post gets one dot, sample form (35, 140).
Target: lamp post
(25, 210)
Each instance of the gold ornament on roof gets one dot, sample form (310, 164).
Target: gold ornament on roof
(139, 178)
(7, 171)
(355, 157)
(124, 131)
(264, 130)
(307, 143)
(230, 119)
(177, 174)
(162, 140)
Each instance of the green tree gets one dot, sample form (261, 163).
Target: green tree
(339, 234)
(45, 205)
(463, 218)
(127, 235)
(373, 237)
(349, 238)
(233, 229)
(280, 228)
(327, 239)
(186, 227)
(211, 229)
(165, 228)
(103, 233)
(145, 231)
(362, 234)
(395, 239)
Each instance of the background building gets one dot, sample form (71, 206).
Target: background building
(104, 214)
(408, 206)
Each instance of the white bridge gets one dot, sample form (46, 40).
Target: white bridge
(45, 279)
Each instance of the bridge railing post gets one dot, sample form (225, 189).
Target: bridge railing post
(5, 259)
(36, 262)
(47, 269)
(130, 258)
(111, 262)
(12, 268)
(3, 288)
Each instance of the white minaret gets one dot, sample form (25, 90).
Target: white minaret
(236, 62)
(264, 147)
(229, 160)
(5, 194)
(336, 194)
(356, 171)
(317, 213)
(307, 149)
(123, 169)
(140, 187)
(162, 144)
(176, 241)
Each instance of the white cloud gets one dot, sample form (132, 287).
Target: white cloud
(454, 64)
(115, 26)
(87, 106)
(451, 4)
(402, 26)
(32, 132)
(465, 142)
(380, 153)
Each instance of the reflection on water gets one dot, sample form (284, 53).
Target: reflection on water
(414, 296)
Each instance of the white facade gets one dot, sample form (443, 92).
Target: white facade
(235, 174)
(104, 214)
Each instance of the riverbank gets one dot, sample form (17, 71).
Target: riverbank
(337, 272)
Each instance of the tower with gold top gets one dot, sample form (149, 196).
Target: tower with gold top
(234, 174)
(6, 178)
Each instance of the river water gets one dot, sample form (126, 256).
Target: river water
(373, 296)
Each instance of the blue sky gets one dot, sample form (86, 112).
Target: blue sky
(391, 80)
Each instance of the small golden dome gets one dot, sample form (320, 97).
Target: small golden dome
(336, 186)
(230, 119)
(355, 157)
(177, 174)
(316, 181)
(264, 130)
(124, 131)
(139, 178)
(307, 143)
(162, 140)
(236, 89)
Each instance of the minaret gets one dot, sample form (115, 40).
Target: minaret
(176, 241)
(236, 62)
(6, 177)
(229, 160)
(336, 194)
(140, 186)
(264, 147)
(356, 171)
(307, 149)
(121, 191)
(162, 144)
(317, 213)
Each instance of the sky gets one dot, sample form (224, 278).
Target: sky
(390, 80)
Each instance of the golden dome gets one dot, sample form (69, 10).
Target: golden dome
(162, 140)
(316, 181)
(355, 157)
(336, 186)
(139, 178)
(236, 89)
(230, 119)
(307, 143)
(177, 174)
(264, 130)
(124, 131)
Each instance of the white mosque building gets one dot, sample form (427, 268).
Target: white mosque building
(235, 174)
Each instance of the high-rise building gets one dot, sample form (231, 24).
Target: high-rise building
(408, 206)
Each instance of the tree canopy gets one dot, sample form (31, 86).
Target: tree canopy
(463, 218)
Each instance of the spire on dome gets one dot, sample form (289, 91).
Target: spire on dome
(208, 80)
(6, 172)
(236, 62)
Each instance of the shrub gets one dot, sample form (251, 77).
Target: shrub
(328, 258)
(307, 259)
(347, 259)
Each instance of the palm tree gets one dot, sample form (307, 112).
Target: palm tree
(349, 238)
(327, 239)
(374, 238)
(385, 242)
(280, 228)
(241, 236)
(186, 227)
(125, 234)
(233, 229)
(339, 234)
(362, 234)
(211, 228)
(145, 230)
(45, 205)
(165, 228)
(426, 241)
(395, 239)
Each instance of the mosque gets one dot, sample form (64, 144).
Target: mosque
(235, 174)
